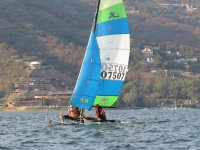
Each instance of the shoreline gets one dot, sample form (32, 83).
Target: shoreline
(27, 108)
(62, 108)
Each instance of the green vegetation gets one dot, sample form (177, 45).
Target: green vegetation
(146, 92)
(56, 32)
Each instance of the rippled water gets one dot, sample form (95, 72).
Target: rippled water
(147, 129)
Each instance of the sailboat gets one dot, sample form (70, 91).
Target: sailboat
(105, 63)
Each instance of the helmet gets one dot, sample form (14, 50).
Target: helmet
(70, 106)
(97, 106)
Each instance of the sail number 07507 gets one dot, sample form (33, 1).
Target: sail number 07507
(113, 72)
(112, 75)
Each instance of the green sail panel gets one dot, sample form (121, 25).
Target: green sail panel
(112, 13)
(106, 101)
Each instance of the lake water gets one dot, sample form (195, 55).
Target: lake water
(147, 129)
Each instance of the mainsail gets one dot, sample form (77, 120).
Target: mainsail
(113, 39)
(105, 63)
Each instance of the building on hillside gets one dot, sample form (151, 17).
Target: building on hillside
(33, 88)
(35, 65)
(132, 10)
(61, 94)
(39, 83)
(159, 71)
(18, 92)
(28, 102)
(11, 104)
(178, 53)
(150, 60)
(147, 52)
(186, 60)
(188, 7)
(168, 52)
(169, 5)
(56, 98)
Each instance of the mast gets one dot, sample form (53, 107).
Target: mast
(96, 15)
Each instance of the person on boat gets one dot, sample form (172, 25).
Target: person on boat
(73, 114)
(100, 113)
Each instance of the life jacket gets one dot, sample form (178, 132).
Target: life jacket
(100, 113)
(77, 112)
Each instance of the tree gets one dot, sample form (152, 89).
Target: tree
(9, 86)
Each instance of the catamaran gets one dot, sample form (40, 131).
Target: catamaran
(105, 63)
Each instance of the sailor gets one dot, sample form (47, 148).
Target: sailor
(73, 111)
(73, 114)
(70, 110)
(100, 113)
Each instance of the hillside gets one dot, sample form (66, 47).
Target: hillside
(37, 27)
(56, 32)
(51, 31)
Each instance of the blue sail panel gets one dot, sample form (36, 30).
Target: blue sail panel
(89, 76)
(85, 103)
(113, 27)
(87, 80)
(109, 87)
